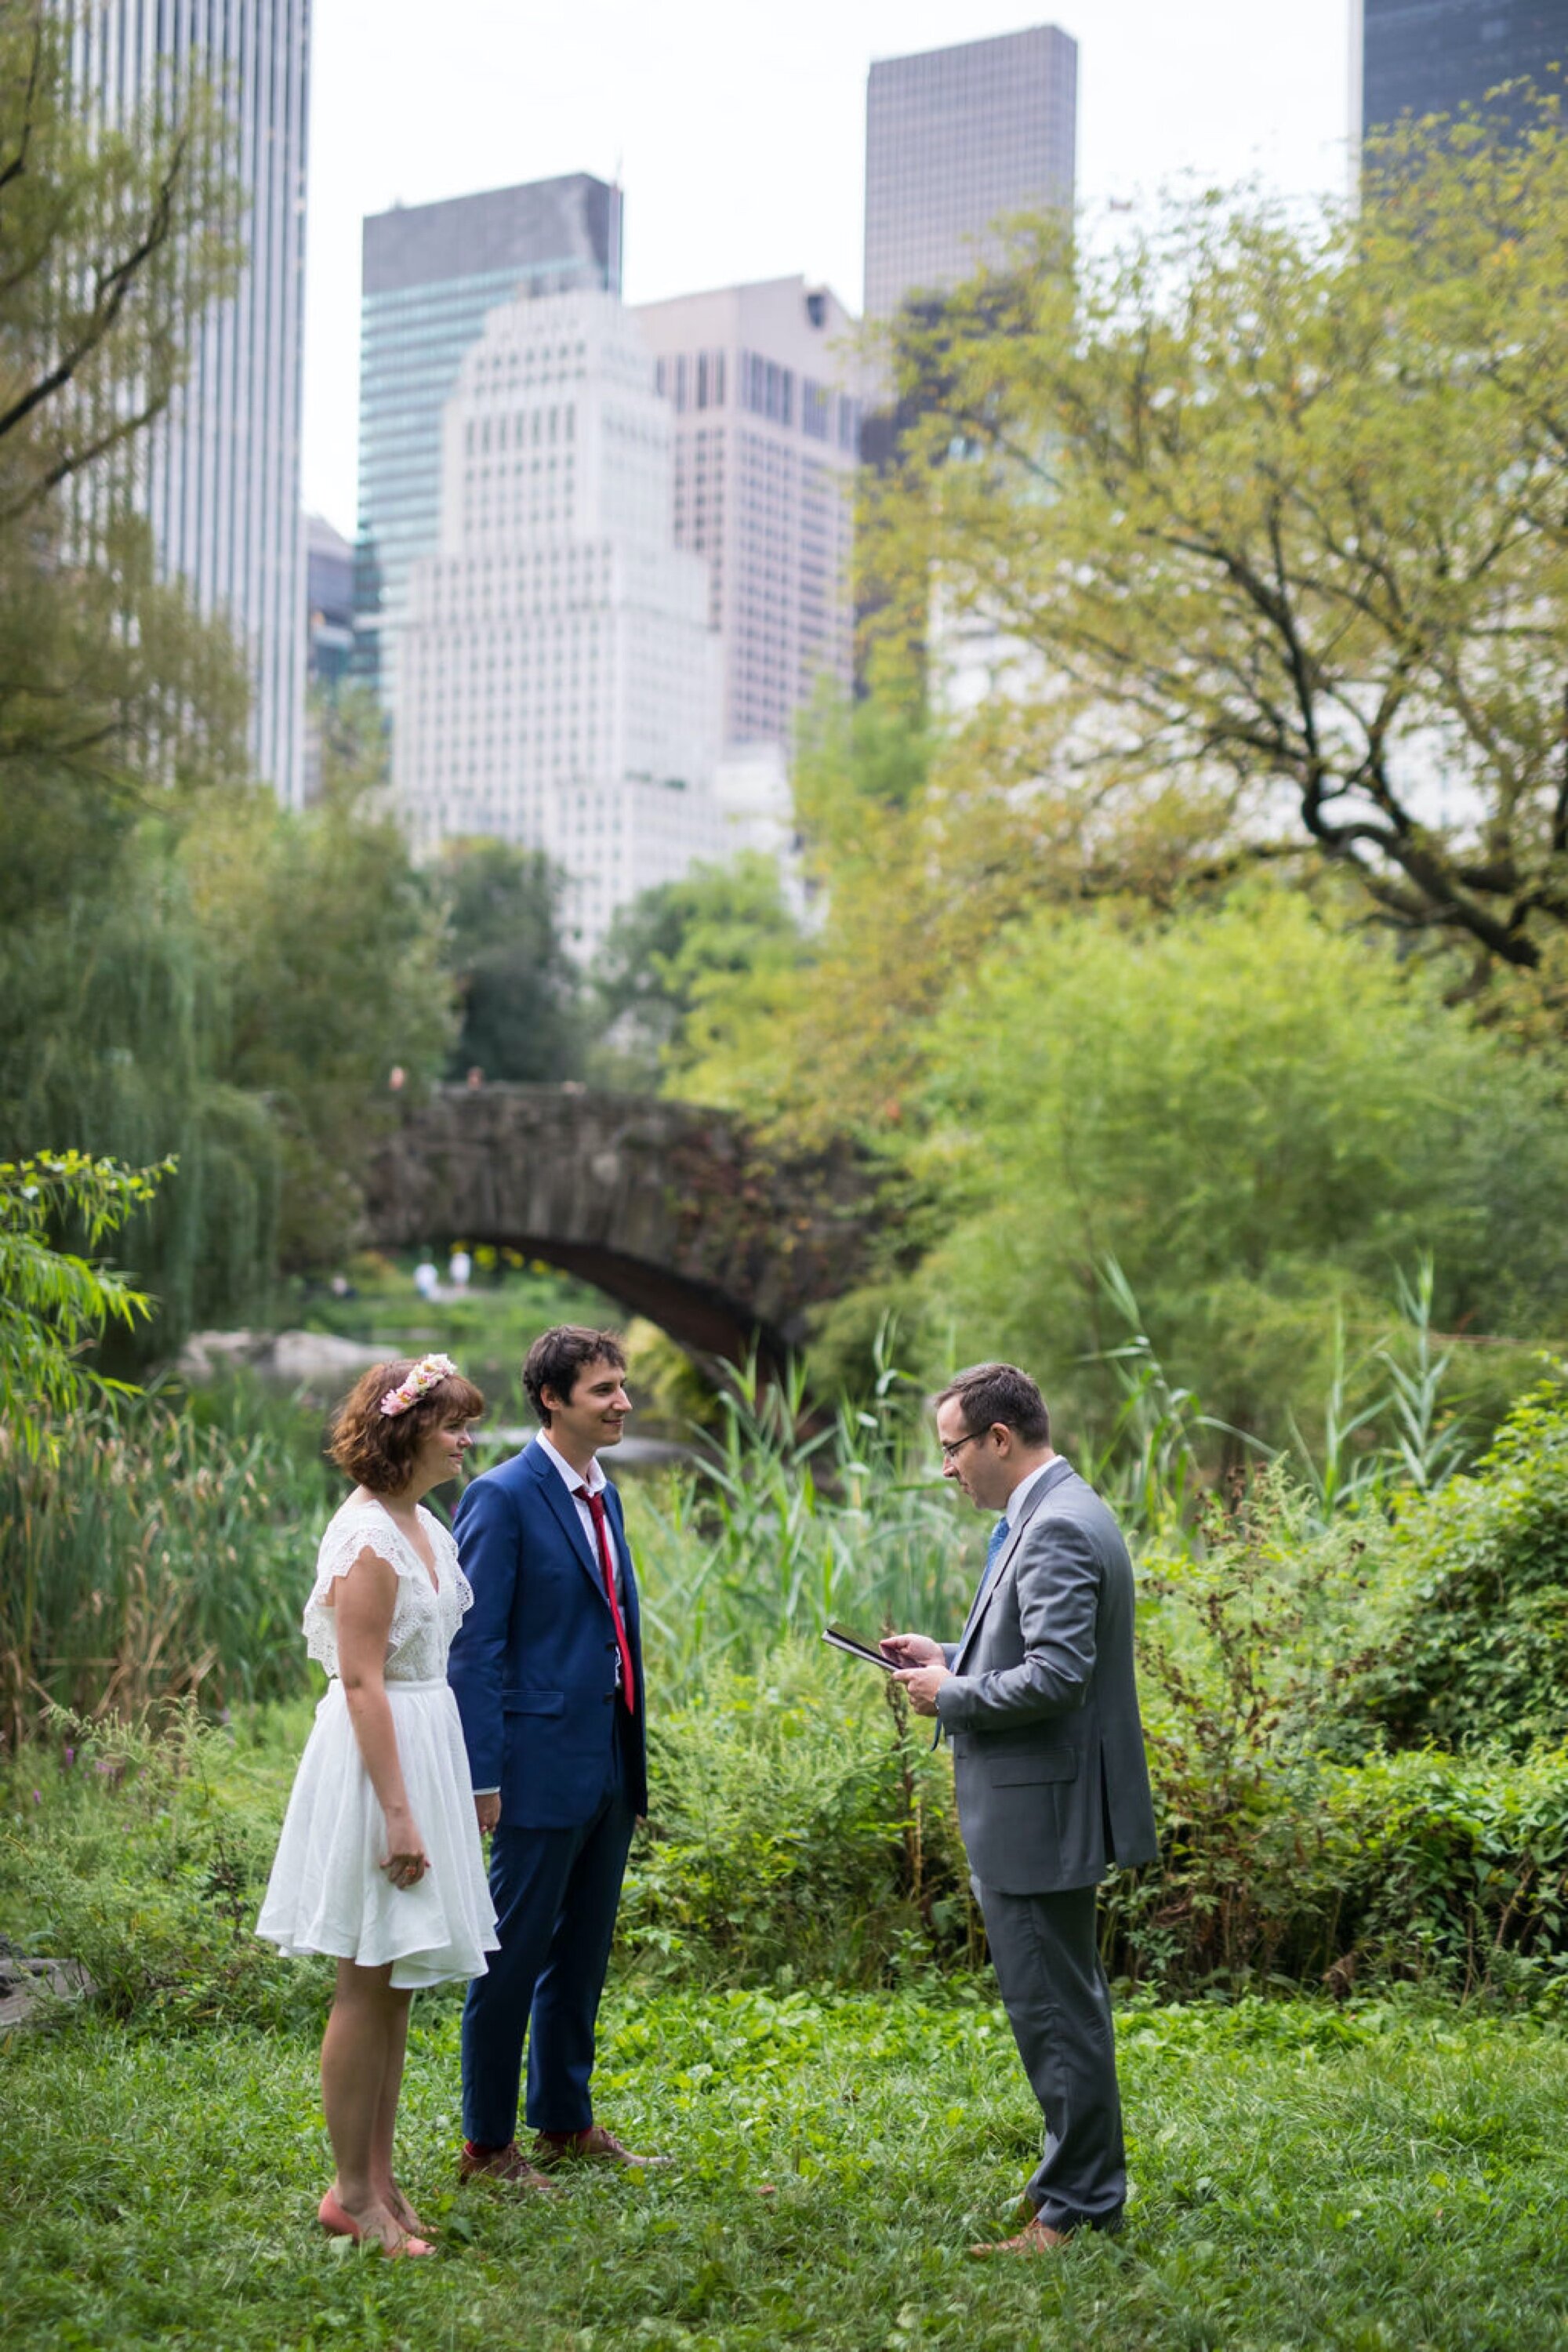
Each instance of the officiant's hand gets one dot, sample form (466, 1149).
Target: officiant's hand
(488, 1810)
(922, 1683)
(913, 1650)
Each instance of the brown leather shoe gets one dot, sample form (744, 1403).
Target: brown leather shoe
(507, 2164)
(1036, 2237)
(594, 2146)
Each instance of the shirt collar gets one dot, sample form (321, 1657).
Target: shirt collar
(593, 1477)
(1026, 1488)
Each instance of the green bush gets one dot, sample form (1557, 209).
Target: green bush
(143, 1854)
(1418, 1868)
(1456, 1868)
(802, 1832)
(801, 1828)
(1479, 1646)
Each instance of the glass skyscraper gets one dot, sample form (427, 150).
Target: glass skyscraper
(1433, 56)
(431, 274)
(954, 140)
(219, 476)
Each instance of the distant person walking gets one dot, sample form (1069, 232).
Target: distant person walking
(459, 1266)
(427, 1280)
(1039, 1700)
(380, 1862)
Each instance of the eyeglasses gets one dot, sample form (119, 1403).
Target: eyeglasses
(952, 1448)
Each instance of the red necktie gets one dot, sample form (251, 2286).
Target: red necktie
(597, 1505)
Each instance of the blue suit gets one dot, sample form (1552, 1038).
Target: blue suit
(533, 1668)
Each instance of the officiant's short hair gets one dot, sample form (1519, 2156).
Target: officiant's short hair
(992, 1392)
(557, 1357)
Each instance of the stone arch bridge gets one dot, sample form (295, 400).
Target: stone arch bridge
(678, 1213)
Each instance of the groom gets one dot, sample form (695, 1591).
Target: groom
(1039, 1702)
(547, 1670)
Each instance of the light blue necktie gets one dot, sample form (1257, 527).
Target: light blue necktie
(999, 1535)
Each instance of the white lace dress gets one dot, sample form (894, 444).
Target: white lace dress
(326, 1893)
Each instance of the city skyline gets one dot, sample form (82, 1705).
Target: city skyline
(218, 476)
(716, 193)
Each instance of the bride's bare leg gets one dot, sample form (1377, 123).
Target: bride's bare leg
(368, 2020)
(382, 2155)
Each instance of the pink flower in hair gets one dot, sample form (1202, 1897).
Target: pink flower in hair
(427, 1374)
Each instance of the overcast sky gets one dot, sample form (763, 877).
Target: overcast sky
(738, 129)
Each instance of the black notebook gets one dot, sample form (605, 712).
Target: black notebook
(842, 1639)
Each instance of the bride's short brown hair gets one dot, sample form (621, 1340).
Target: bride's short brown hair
(377, 1449)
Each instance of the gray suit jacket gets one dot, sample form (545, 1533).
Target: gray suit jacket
(1042, 1704)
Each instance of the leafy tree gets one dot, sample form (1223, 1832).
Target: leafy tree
(330, 951)
(1261, 1118)
(829, 1039)
(517, 987)
(674, 950)
(116, 1044)
(114, 241)
(188, 970)
(55, 1303)
(1269, 514)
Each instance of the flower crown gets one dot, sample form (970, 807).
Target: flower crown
(429, 1373)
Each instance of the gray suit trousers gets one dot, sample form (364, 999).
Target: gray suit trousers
(1046, 1956)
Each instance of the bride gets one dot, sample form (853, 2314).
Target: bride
(379, 1862)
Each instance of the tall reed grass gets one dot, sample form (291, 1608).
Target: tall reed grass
(779, 1525)
(156, 1555)
(167, 1551)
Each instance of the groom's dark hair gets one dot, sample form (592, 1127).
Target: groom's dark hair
(992, 1392)
(557, 1357)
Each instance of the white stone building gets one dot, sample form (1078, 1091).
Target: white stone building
(767, 432)
(557, 674)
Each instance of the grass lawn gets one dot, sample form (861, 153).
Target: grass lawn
(1378, 2178)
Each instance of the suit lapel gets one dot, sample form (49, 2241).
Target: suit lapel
(1053, 1477)
(565, 1511)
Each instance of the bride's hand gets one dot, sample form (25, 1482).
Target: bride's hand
(405, 1861)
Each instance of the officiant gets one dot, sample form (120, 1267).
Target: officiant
(1039, 1702)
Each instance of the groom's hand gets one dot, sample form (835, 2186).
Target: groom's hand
(922, 1683)
(488, 1810)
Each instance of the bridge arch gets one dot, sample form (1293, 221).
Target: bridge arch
(674, 1210)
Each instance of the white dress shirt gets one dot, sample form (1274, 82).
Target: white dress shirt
(1021, 1492)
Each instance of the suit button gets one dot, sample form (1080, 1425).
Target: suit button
(608, 1697)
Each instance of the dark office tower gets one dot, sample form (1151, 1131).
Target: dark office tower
(431, 273)
(1433, 56)
(956, 139)
(220, 475)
